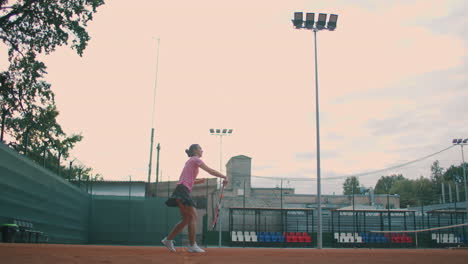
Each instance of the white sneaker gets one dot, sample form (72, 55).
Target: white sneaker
(169, 244)
(195, 249)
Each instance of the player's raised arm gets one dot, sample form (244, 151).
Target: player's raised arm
(214, 172)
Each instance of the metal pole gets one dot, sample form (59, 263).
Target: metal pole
(206, 213)
(319, 192)
(151, 155)
(464, 173)
(70, 170)
(152, 117)
(219, 227)
(443, 193)
(389, 217)
(158, 148)
(450, 192)
(220, 170)
(281, 194)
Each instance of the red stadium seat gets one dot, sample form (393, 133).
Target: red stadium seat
(305, 234)
(295, 239)
(289, 239)
(308, 239)
(409, 239)
(301, 239)
(298, 234)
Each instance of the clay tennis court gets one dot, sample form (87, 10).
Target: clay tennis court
(63, 254)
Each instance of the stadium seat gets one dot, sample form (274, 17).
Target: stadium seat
(445, 238)
(240, 236)
(451, 238)
(234, 238)
(337, 236)
(308, 239)
(253, 237)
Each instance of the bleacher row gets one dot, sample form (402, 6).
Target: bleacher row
(373, 238)
(448, 238)
(251, 236)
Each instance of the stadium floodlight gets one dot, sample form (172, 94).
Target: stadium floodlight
(462, 142)
(331, 25)
(212, 131)
(220, 132)
(322, 20)
(310, 20)
(310, 24)
(298, 20)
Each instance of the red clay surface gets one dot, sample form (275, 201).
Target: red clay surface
(77, 254)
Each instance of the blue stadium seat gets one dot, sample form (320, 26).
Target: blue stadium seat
(267, 238)
(274, 239)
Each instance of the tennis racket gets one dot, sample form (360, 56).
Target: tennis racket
(218, 207)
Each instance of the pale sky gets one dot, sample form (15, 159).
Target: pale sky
(392, 87)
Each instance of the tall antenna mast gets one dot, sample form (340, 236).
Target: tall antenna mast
(152, 117)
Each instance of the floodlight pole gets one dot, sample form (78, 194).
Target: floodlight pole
(463, 143)
(317, 119)
(298, 23)
(464, 172)
(221, 133)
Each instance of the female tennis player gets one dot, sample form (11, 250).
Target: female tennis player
(181, 198)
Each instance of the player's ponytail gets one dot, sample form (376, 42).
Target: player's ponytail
(191, 150)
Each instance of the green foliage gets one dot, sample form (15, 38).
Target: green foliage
(423, 190)
(28, 110)
(385, 183)
(42, 26)
(351, 186)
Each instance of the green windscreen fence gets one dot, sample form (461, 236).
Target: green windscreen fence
(126, 220)
(67, 214)
(34, 195)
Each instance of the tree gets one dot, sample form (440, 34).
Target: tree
(41, 26)
(407, 190)
(424, 191)
(28, 28)
(437, 172)
(351, 186)
(385, 183)
(28, 111)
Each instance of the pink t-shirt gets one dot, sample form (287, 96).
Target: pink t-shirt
(190, 172)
